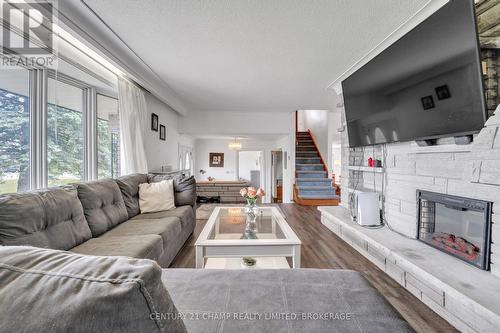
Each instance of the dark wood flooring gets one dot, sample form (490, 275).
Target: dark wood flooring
(321, 248)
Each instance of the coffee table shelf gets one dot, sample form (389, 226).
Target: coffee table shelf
(222, 238)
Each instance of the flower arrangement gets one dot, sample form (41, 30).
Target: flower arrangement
(251, 194)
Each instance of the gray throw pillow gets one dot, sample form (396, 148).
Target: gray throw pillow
(185, 191)
(45, 290)
(129, 186)
(184, 188)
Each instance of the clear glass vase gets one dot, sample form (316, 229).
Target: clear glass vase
(251, 211)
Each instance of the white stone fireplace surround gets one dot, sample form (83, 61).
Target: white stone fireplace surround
(466, 296)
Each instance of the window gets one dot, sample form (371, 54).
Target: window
(187, 161)
(108, 137)
(65, 138)
(14, 131)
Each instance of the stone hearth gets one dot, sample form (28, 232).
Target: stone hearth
(464, 295)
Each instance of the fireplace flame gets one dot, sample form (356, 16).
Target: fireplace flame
(456, 245)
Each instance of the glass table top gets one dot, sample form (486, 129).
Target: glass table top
(230, 224)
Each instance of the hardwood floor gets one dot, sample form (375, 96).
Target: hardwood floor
(323, 249)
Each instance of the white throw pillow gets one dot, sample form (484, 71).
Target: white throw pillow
(156, 197)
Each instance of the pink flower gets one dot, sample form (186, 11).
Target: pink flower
(260, 192)
(243, 192)
(252, 192)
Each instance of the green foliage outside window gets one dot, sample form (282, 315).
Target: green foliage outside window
(65, 145)
(14, 142)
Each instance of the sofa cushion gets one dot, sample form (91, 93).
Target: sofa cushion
(129, 186)
(102, 204)
(185, 191)
(154, 178)
(49, 218)
(156, 197)
(169, 228)
(137, 246)
(184, 213)
(348, 301)
(54, 291)
(184, 188)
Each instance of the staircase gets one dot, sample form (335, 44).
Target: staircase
(312, 185)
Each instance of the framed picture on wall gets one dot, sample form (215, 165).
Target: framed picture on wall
(163, 132)
(216, 160)
(443, 92)
(154, 122)
(427, 102)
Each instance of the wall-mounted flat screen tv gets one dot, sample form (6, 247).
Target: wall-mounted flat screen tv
(426, 85)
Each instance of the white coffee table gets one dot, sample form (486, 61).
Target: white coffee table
(222, 238)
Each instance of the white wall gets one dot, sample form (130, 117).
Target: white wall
(334, 143)
(163, 153)
(203, 148)
(234, 123)
(248, 162)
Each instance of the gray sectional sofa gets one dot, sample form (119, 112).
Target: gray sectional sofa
(44, 290)
(100, 218)
(82, 273)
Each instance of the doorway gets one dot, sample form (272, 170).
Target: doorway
(250, 167)
(277, 176)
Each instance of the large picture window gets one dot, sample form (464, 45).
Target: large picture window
(14, 131)
(58, 124)
(65, 133)
(108, 137)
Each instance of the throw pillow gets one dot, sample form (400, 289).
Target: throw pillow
(156, 197)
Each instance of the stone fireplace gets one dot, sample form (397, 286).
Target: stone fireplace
(457, 226)
(458, 291)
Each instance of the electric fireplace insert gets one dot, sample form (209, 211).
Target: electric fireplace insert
(457, 226)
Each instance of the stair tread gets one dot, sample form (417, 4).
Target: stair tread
(312, 187)
(309, 164)
(313, 179)
(312, 196)
(311, 171)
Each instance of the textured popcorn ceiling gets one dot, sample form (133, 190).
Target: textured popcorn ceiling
(253, 55)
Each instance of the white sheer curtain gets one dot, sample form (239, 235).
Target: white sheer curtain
(132, 105)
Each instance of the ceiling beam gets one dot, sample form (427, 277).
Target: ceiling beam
(97, 35)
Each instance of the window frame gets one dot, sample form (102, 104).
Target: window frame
(183, 152)
(95, 145)
(38, 115)
(87, 109)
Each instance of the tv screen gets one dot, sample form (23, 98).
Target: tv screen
(426, 85)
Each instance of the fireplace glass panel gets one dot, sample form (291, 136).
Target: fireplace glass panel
(457, 226)
(464, 223)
